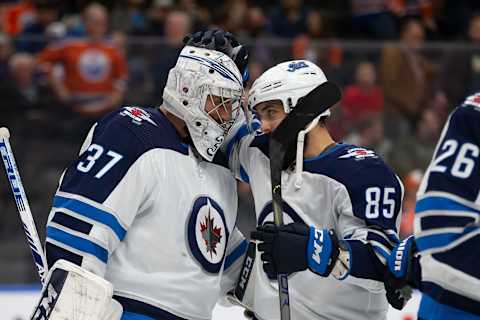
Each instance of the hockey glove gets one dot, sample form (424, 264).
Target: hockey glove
(223, 41)
(403, 273)
(296, 247)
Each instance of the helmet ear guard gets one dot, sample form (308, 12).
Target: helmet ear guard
(198, 74)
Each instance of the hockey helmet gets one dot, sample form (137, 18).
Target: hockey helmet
(287, 82)
(198, 75)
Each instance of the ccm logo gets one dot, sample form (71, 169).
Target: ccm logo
(247, 268)
(317, 245)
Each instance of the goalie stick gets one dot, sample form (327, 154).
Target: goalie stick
(307, 109)
(22, 204)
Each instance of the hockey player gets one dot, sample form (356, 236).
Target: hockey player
(147, 211)
(338, 197)
(441, 259)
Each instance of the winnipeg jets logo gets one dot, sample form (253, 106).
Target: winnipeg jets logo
(211, 234)
(207, 234)
(473, 100)
(296, 65)
(358, 154)
(138, 115)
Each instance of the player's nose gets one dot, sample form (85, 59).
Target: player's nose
(266, 127)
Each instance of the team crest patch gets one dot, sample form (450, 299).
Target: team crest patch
(207, 234)
(359, 154)
(138, 115)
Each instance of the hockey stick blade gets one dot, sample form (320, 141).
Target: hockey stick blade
(308, 108)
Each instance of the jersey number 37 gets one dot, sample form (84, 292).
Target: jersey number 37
(95, 151)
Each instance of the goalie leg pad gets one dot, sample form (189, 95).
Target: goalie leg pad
(73, 293)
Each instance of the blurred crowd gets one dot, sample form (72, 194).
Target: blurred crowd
(403, 66)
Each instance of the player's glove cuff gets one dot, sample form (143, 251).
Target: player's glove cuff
(326, 255)
(403, 272)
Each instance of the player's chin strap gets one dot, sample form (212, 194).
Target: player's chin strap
(300, 145)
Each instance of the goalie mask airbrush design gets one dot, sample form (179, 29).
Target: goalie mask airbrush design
(205, 90)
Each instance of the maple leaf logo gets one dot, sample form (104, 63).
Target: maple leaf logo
(210, 234)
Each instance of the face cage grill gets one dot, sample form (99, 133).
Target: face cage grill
(229, 104)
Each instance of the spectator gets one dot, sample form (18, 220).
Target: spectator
(33, 37)
(5, 51)
(129, 15)
(406, 75)
(461, 74)
(289, 19)
(156, 19)
(364, 97)
(373, 19)
(369, 134)
(15, 16)
(94, 69)
(414, 151)
(21, 93)
(315, 24)
(177, 25)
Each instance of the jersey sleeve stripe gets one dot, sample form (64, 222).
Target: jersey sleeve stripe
(235, 254)
(244, 175)
(441, 203)
(440, 222)
(91, 212)
(382, 238)
(435, 240)
(241, 133)
(72, 222)
(55, 253)
(78, 243)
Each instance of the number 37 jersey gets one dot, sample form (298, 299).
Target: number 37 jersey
(141, 209)
(447, 229)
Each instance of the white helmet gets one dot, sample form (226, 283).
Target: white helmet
(199, 73)
(287, 82)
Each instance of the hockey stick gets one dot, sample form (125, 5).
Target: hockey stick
(22, 204)
(308, 108)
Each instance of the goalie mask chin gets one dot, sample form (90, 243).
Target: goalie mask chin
(201, 75)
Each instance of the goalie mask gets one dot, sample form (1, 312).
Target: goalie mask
(204, 89)
(287, 82)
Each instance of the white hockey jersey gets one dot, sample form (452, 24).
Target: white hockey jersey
(346, 188)
(141, 209)
(447, 220)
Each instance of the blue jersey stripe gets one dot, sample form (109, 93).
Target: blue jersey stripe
(242, 132)
(235, 254)
(91, 212)
(244, 175)
(78, 243)
(441, 203)
(436, 240)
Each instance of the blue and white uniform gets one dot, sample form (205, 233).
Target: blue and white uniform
(447, 229)
(346, 188)
(141, 209)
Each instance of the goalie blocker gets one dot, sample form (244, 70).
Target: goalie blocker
(72, 292)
